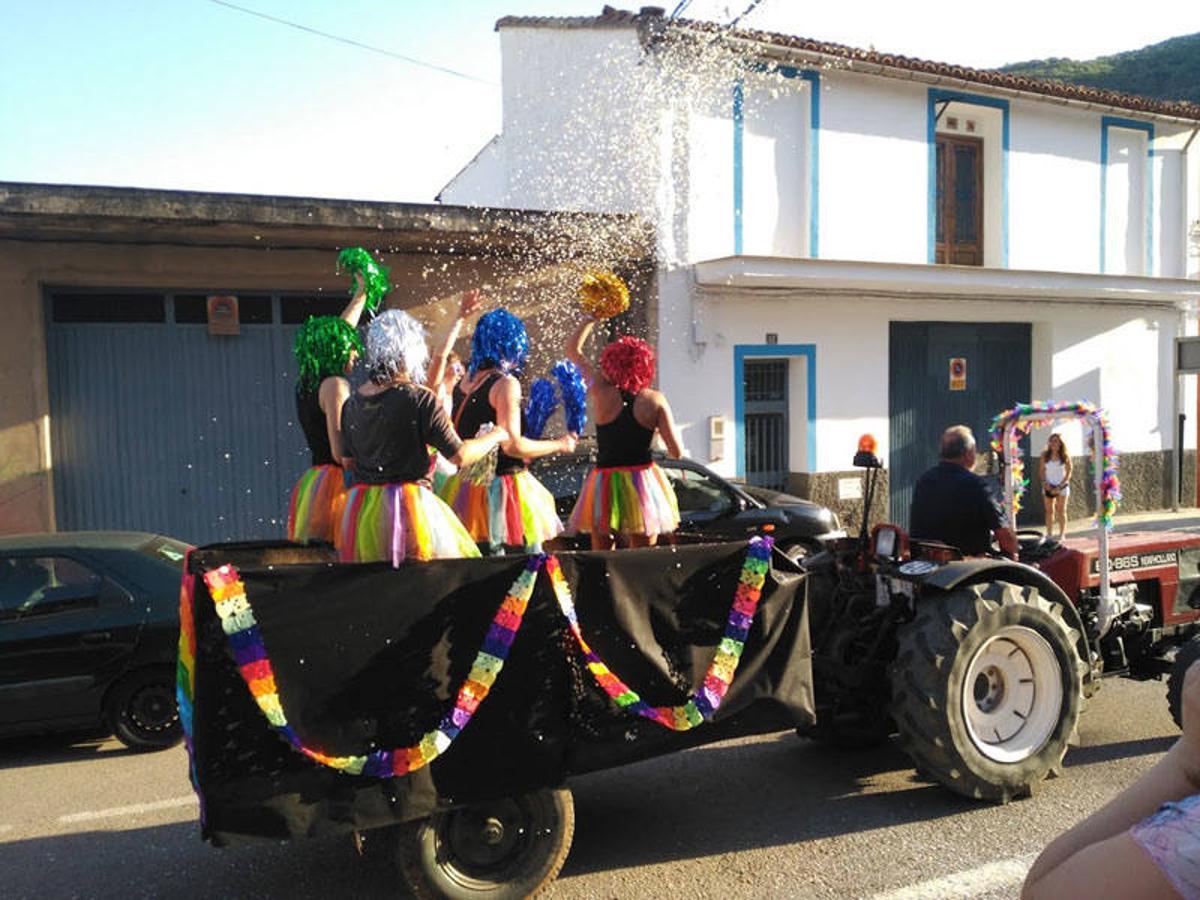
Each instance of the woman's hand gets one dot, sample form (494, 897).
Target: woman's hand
(568, 442)
(471, 303)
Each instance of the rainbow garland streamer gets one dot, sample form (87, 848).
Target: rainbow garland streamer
(185, 673)
(1038, 415)
(705, 701)
(237, 619)
(245, 640)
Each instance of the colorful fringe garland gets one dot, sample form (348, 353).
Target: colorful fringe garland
(707, 698)
(1028, 416)
(237, 619)
(185, 670)
(514, 510)
(233, 608)
(398, 522)
(316, 506)
(625, 500)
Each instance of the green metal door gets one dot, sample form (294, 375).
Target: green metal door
(943, 374)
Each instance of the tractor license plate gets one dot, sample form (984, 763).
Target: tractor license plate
(1129, 562)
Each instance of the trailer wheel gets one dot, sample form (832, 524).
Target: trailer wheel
(507, 848)
(1187, 654)
(987, 689)
(141, 710)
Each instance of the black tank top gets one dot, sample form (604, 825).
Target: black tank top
(624, 441)
(474, 409)
(312, 422)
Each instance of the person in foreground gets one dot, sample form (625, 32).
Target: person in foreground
(951, 503)
(325, 350)
(388, 424)
(1146, 842)
(626, 497)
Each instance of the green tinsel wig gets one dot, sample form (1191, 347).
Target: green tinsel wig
(323, 347)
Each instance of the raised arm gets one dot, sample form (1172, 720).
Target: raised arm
(574, 350)
(666, 428)
(354, 309)
(469, 305)
(506, 397)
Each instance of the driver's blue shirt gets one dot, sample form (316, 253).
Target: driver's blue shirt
(952, 505)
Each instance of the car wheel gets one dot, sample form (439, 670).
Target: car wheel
(142, 712)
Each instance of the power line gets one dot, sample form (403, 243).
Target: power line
(354, 43)
(745, 12)
(679, 8)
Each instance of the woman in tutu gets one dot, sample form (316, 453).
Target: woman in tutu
(626, 498)
(325, 348)
(446, 370)
(504, 506)
(388, 424)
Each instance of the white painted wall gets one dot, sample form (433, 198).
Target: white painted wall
(590, 123)
(874, 178)
(1081, 351)
(1125, 203)
(1054, 204)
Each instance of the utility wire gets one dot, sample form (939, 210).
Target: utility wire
(745, 12)
(354, 43)
(679, 8)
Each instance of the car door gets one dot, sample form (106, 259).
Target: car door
(66, 630)
(705, 503)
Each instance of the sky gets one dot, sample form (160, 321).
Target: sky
(199, 95)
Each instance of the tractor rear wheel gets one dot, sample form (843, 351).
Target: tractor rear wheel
(1187, 654)
(987, 689)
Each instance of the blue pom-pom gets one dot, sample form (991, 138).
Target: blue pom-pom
(542, 403)
(574, 395)
(499, 340)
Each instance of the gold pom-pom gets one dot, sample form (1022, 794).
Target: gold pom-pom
(603, 295)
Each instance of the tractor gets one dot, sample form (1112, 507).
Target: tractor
(981, 665)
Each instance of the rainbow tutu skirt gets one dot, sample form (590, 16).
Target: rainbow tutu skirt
(625, 500)
(400, 522)
(515, 510)
(316, 506)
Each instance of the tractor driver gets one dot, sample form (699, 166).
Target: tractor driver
(951, 503)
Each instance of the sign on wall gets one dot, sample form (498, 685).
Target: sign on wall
(958, 373)
(223, 314)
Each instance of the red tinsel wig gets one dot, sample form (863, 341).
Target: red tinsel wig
(628, 363)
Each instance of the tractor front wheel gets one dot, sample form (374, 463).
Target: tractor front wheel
(987, 689)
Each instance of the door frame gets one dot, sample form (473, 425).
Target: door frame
(742, 352)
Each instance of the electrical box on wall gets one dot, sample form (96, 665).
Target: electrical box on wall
(716, 438)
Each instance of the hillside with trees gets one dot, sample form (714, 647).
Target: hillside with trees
(1169, 70)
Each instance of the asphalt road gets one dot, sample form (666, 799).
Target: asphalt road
(774, 816)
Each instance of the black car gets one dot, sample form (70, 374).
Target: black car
(708, 504)
(89, 627)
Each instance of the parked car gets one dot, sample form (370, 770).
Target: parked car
(708, 504)
(89, 627)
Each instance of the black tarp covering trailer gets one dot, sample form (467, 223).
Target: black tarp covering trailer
(309, 670)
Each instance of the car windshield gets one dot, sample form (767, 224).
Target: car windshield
(697, 492)
(165, 549)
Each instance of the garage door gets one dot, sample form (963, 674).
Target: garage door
(943, 374)
(158, 425)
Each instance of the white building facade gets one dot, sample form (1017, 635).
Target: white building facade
(849, 242)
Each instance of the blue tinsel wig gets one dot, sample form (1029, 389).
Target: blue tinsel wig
(499, 340)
